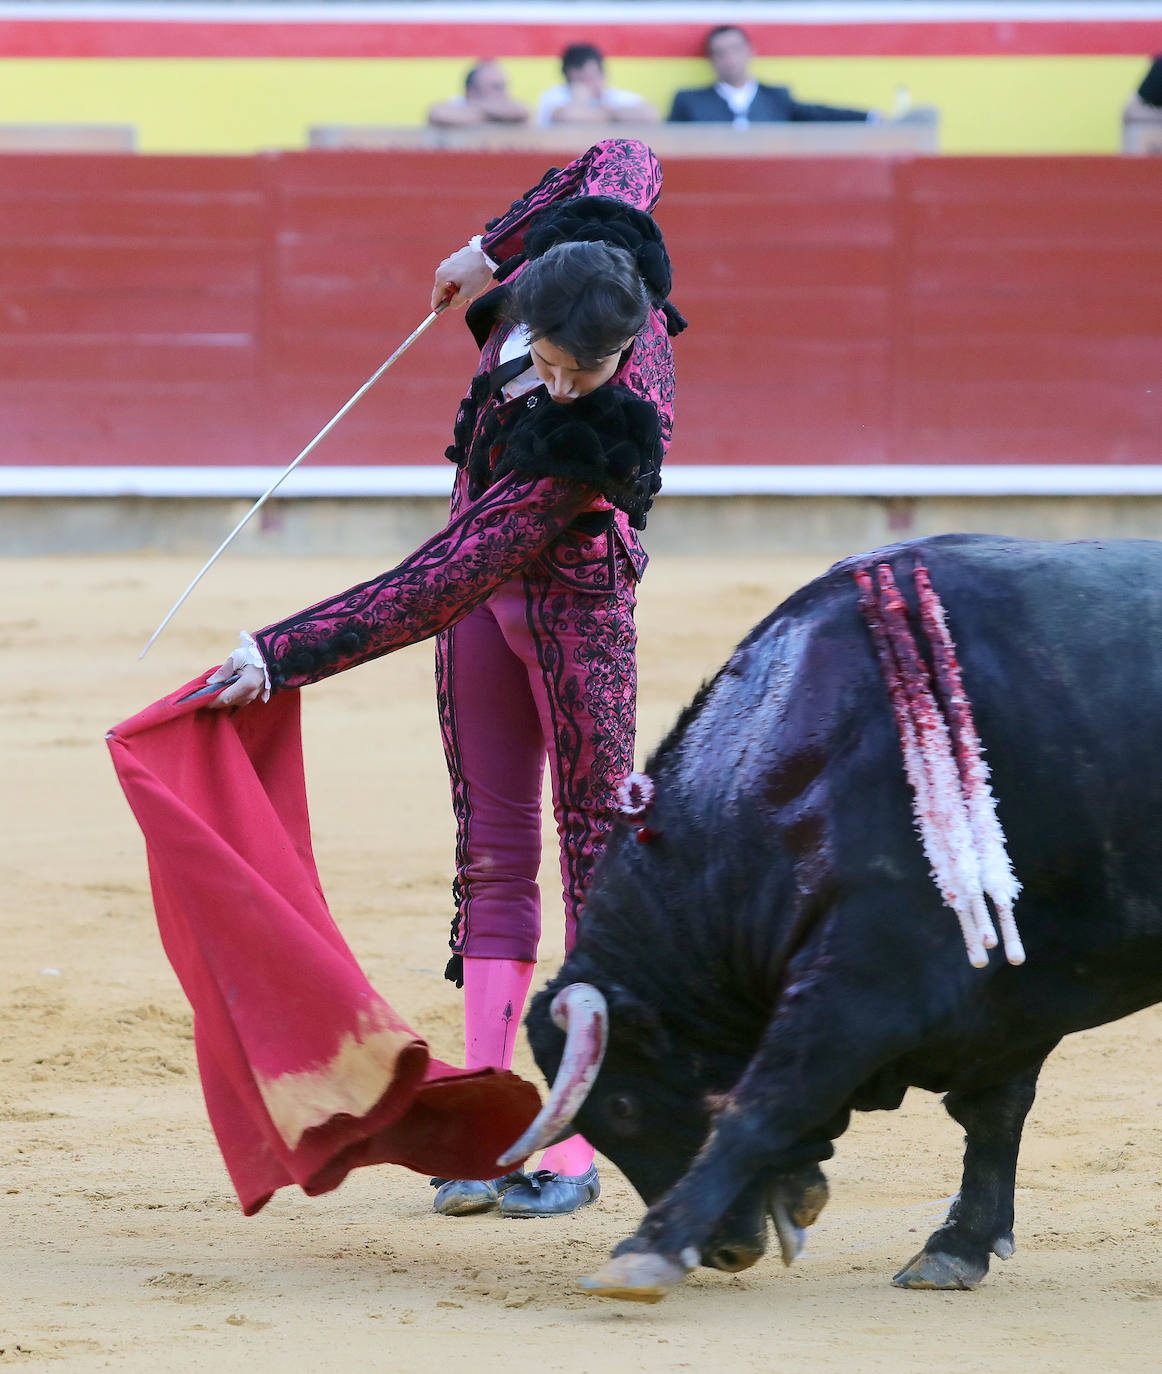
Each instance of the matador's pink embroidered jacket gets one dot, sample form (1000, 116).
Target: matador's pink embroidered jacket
(543, 507)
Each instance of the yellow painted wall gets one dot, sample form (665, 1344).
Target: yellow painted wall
(228, 105)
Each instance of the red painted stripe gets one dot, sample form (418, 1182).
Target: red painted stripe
(144, 38)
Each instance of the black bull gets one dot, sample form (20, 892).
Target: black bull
(777, 954)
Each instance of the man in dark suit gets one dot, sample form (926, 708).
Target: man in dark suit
(737, 98)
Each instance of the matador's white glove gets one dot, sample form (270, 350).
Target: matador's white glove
(242, 664)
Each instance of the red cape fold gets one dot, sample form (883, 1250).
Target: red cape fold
(307, 1072)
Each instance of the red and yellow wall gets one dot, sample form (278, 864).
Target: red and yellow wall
(1008, 78)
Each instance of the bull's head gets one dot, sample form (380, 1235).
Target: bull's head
(615, 1081)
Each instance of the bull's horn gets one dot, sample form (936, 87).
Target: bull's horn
(581, 1012)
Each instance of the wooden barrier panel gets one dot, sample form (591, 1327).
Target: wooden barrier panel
(789, 301)
(1029, 319)
(130, 292)
(218, 311)
(67, 138)
(916, 132)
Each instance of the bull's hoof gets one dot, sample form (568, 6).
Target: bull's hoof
(635, 1278)
(811, 1202)
(792, 1238)
(931, 1269)
(793, 1205)
(733, 1259)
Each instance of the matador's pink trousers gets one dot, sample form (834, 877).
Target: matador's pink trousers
(538, 671)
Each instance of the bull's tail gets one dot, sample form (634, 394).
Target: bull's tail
(954, 806)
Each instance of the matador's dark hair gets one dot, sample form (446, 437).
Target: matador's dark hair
(587, 299)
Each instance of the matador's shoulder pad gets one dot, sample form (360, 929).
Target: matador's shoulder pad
(610, 439)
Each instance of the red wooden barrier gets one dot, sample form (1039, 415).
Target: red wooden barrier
(130, 293)
(1029, 324)
(785, 271)
(173, 311)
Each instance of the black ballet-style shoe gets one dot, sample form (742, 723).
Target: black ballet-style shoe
(549, 1194)
(466, 1197)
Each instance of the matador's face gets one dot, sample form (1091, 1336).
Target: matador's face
(564, 376)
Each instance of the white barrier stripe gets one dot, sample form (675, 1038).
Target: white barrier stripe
(593, 11)
(240, 482)
(883, 481)
(953, 479)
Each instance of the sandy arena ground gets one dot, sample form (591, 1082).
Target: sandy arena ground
(122, 1246)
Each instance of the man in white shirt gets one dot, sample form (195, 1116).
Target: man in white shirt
(584, 98)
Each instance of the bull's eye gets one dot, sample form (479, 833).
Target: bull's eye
(623, 1110)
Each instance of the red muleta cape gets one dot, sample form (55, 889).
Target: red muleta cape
(307, 1072)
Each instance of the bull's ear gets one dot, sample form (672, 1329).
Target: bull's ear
(636, 1024)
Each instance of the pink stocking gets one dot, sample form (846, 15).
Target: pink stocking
(494, 998)
(571, 1157)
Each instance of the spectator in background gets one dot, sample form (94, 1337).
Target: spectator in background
(485, 101)
(738, 98)
(1148, 100)
(584, 98)
(1142, 115)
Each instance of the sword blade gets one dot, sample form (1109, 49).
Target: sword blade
(269, 492)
